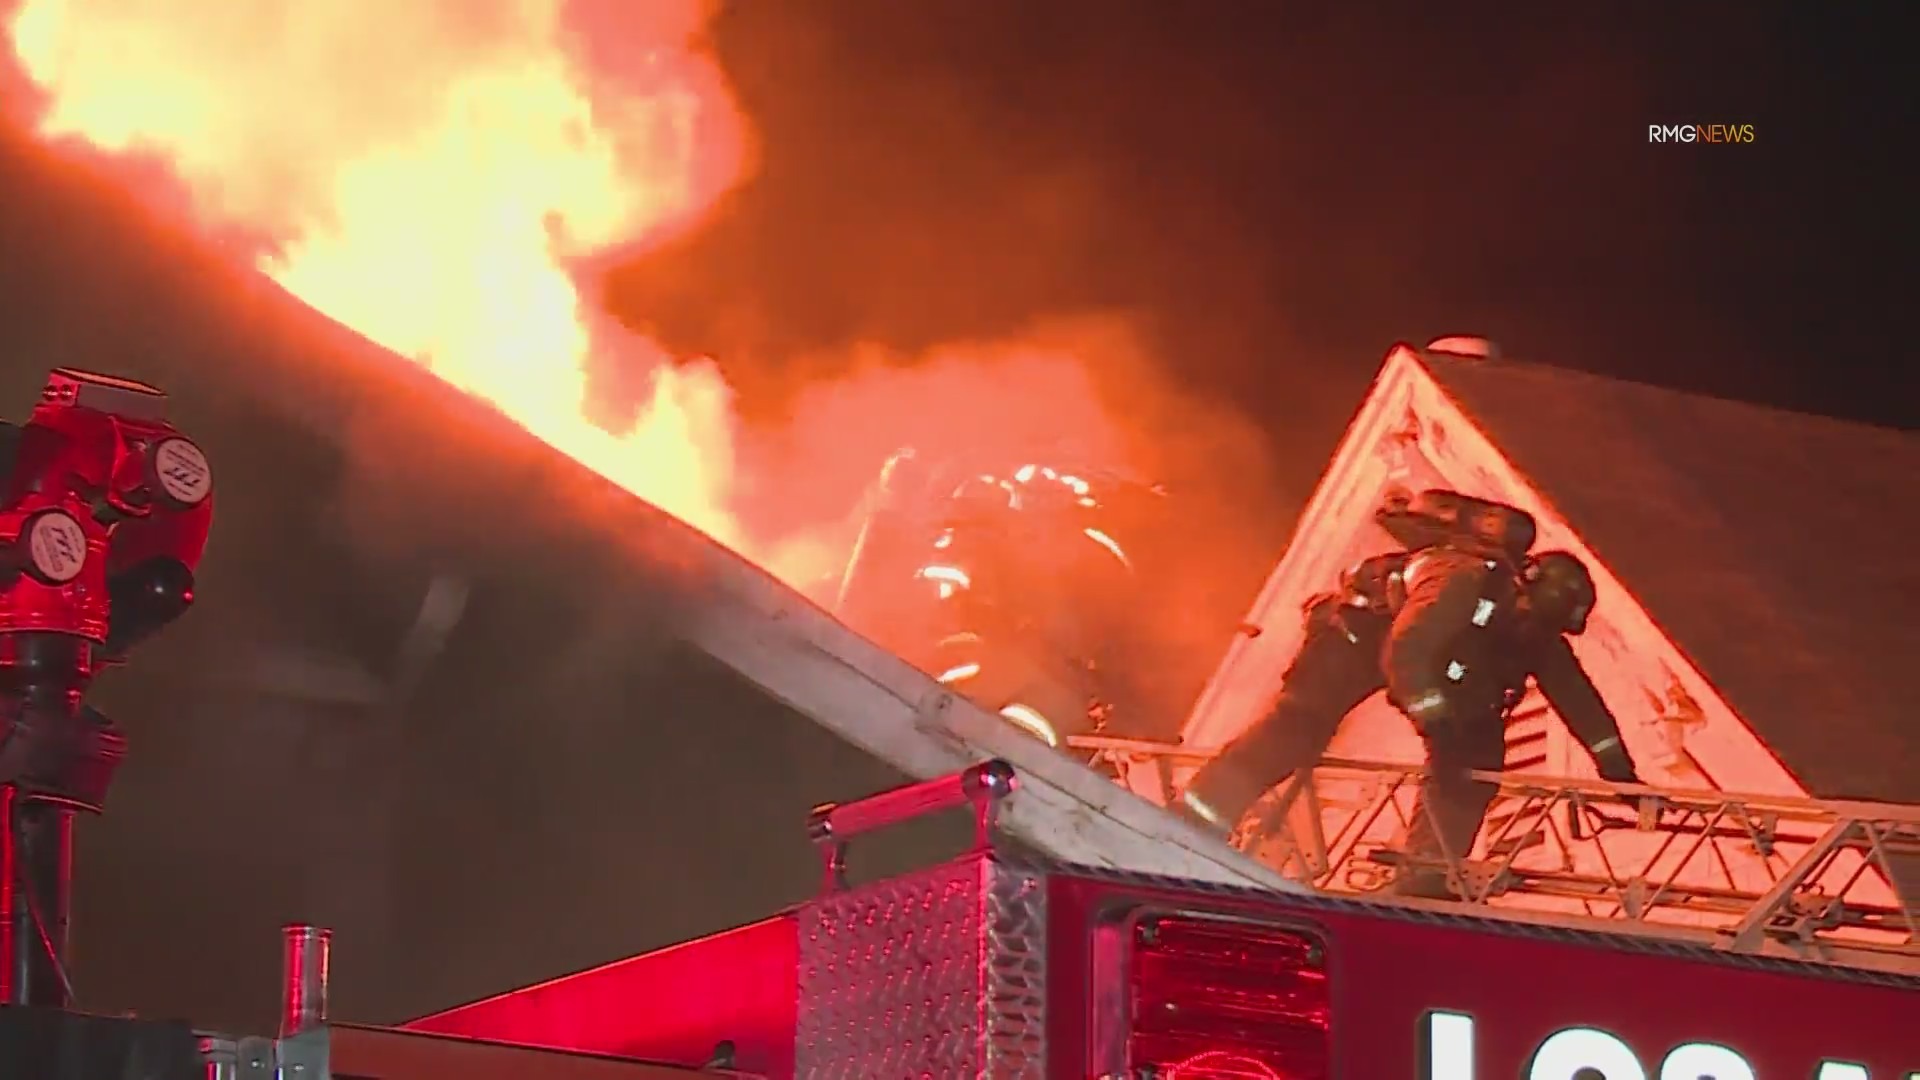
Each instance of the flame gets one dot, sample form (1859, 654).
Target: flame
(440, 174)
(426, 173)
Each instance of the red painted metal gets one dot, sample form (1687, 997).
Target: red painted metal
(1385, 971)
(674, 1006)
(1217, 998)
(104, 513)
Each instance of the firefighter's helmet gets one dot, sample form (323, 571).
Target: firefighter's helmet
(1560, 590)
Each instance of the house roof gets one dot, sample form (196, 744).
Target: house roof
(1774, 549)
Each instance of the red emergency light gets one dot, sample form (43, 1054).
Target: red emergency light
(1226, 999)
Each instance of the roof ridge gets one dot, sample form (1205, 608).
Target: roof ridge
(1441, 366)
(1723, 517)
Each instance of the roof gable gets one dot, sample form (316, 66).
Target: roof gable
(1773, 547)
(1412, 431)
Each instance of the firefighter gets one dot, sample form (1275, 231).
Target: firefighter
(1338, 665)
(1471, 632)
(1337, 668)
(1033, 605)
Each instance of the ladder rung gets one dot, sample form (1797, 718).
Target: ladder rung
(1665, 862)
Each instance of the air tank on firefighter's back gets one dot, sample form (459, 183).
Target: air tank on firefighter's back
(1023, 581)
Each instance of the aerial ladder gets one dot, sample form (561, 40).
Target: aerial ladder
(1829, 880)
(1841, 880)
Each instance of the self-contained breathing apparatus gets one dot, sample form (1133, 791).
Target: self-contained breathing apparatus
(1454, 542)
(1481, 618)
(1347, 653)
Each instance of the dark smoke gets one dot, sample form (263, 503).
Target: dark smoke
(1083, 384)
(1269, 202)
(1281, 191)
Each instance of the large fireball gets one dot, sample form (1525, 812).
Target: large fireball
(425, 171)
(443, 176)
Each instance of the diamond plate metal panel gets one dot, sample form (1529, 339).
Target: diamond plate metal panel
(938, 974)
(1015, 939)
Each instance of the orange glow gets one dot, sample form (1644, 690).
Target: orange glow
(443, 176)
(424, 173)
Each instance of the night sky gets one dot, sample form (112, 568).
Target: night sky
(1275, 199)
(1283, 197)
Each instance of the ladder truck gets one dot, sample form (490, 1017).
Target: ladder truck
(1086, 933)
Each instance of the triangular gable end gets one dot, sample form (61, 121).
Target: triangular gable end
(1410, 432)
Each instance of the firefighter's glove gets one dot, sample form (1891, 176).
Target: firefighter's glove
(1616, 765)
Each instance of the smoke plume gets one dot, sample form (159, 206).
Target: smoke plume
(496, 191)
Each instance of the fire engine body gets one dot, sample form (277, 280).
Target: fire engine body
(1005, 964)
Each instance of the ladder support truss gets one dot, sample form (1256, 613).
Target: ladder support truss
(1824, 880)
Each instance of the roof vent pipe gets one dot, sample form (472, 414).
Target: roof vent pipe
(1465, 347)
(303, 979)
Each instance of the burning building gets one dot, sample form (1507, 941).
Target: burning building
(1752, 581)
(424, 638)
(423, 642)
(428, 695)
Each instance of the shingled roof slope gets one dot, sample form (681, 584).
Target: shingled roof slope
(1776, 549)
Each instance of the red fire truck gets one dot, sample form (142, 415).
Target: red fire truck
(1003, 964)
